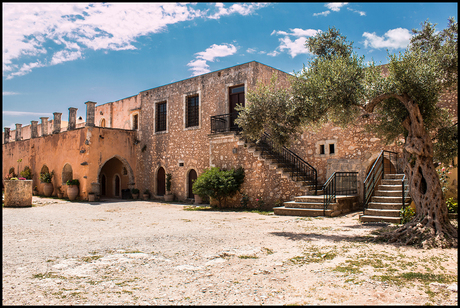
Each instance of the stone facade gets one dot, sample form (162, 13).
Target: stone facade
(132, 142)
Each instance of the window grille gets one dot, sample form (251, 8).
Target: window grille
(192, 114)
(161, 117)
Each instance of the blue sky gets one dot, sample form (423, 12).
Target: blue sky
(57, 56)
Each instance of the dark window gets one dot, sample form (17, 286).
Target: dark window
(135, 122)
(331, 148)
(321, 149)
(192, 114)
(161, 117)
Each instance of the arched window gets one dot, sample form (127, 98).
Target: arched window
(67, 173)
(102, 123)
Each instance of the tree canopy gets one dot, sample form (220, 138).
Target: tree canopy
(338, 86)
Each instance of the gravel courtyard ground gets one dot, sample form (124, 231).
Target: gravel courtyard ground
(148, 253)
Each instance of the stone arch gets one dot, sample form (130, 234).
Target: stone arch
(191, 175)
(67, 173)
(102, 123)
(114, 167)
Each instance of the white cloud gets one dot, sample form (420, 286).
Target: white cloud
(200, 66)
(240, 8)
(28, 28)
(361, 13)
(295, 47)
(9, 93)
(392, 39)
(335, 6)
(325, 13)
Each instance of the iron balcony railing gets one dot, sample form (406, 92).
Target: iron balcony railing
(224, 123)
(339, 183)
(381, 166)
(298, 169)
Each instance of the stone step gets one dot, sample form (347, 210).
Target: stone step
(301, 212)
(388, 193)
(309, 198)
(391, 182)
(384, 199)
(382, 212)
(394, 176)
(391, 187)
(367, 218)
(383, 205)
(304, 205)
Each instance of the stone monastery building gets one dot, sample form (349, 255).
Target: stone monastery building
(183, 128)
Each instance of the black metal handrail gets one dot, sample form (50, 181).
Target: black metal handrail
(298, 168)
(339, 183)
(377, 173)
(224, 123)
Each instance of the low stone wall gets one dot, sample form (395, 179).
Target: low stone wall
(18, 193)
(345, 204)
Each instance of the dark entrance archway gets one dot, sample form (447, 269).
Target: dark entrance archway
(114, 176)
(161, 182)
(192, 176)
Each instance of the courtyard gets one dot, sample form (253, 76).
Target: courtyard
(121, 252)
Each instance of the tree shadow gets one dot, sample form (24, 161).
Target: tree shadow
(373, 237)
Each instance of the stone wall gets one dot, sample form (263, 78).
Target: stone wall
(18, 193)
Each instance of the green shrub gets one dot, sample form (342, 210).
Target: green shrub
(135, 191)
(27, 173)
(73, 182)
(452, 205)
(218, 184)
(46, 177)
(406, 214)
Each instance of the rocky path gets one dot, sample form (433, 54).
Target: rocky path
(147, 253)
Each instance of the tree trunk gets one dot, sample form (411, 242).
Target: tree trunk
(431, 226)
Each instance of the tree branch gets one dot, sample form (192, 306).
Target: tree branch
(369, 107)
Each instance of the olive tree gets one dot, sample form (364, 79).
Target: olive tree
(337, 86)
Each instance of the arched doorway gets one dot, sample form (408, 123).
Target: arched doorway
(161, 182)
(192, 176)
(103, 185)
(112, 177)
(116, 184)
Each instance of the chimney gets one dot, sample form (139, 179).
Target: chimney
(6, 136)
(44, 126)
(18, 132)
(57, 122)
(72, 118)
(33, 129)
(90, 113)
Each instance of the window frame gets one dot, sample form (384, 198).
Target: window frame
(157, 116)
(188, 96)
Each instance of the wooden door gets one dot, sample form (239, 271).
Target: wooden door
(161, 182)
(191, 179)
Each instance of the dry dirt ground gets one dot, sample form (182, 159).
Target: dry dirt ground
(148, 253)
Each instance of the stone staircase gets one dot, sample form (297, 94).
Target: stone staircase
(286, 170)
(386, 202)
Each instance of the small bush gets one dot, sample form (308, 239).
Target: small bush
(73, 182)
(219, 184)
(27, 173)
(452, 205)
(406, 214)
(46, 177)
(135, 191)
